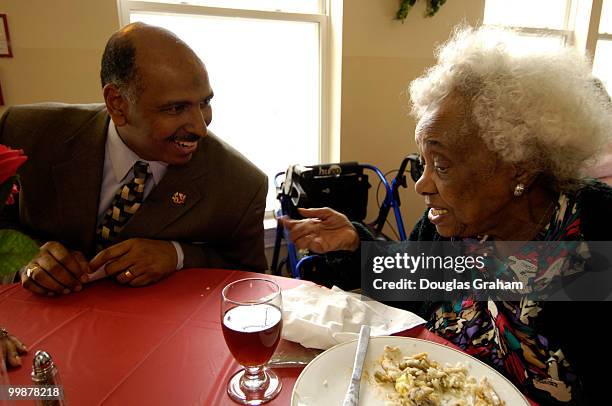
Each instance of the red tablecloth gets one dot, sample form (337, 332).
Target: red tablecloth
(159, 345)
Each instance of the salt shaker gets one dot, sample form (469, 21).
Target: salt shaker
(45, 373)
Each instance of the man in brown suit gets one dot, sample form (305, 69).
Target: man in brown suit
(203, 201)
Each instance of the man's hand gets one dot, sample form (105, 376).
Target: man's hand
(11, 348)
(55, 270)
(137, 262)
(323, 230)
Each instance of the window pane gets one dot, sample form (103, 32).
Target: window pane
(605, 23)
(532, 43)
(265, 76)
(294, 6)
(602, 63)
(526, 13)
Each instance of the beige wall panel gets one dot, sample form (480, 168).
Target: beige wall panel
(370, 28)
(57, 47)
(376, 125)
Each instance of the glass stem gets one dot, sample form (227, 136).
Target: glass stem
(254, 379)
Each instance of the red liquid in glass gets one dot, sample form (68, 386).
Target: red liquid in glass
(252, 333)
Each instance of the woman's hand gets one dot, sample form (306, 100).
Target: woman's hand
(323, 230)
(11, 348)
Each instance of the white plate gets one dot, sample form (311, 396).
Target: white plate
(325, 380)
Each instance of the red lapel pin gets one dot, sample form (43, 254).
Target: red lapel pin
(179, 198)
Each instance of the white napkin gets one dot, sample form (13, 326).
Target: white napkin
(318, 317)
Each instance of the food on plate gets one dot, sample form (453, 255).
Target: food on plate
(417, 380)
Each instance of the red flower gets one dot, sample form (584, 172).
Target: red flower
(10, 161)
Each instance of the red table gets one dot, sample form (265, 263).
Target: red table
(159, 345)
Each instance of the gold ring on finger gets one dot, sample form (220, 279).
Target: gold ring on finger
(30, 270)
(128, 274)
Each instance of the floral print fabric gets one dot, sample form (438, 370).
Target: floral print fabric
(505, 334)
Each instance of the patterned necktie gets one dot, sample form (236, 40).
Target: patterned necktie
(125, 203)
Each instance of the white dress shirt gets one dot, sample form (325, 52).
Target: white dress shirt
(119, 160)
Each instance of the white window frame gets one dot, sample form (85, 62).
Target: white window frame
(566, 34)
(604, 36)
(594, 27)
(591, 33)
(126, 7)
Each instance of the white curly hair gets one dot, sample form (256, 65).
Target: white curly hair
(542, 110)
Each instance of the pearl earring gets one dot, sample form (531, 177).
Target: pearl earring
(519, 189)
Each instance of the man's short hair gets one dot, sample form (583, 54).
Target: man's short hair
(118, 67)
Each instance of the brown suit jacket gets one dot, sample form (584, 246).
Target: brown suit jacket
(220, 224)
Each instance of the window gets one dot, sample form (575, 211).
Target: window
(533, 19)
(267, 68)
(586, 24)
(602, 63)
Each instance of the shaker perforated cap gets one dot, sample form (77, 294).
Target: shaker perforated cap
(42, 363)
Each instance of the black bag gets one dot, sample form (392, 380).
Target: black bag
(340, 186)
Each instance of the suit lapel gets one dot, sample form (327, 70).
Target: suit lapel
(159, 210)
(78, 180)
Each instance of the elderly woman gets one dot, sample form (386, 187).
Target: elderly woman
(503, 135)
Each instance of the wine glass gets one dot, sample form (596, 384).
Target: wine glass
(251, 319)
